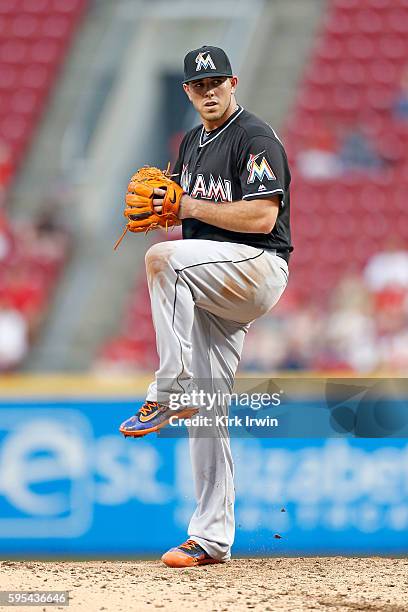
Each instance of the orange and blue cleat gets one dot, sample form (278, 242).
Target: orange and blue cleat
(189, 554)
(151, 417)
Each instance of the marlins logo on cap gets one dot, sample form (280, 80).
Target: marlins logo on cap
(204, 62)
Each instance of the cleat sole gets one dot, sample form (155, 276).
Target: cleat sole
(184, 414)
(178, 559)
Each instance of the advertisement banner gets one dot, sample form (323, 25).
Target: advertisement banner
(71, 485)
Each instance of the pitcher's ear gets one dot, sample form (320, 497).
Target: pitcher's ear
(187, 90)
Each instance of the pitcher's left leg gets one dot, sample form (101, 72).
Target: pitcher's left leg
(217, 346)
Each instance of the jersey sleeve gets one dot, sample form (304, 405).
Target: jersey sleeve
(178, 166)
(262, 169)
(177, 170)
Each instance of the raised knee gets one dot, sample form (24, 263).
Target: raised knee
(158, 259)
(154, 252)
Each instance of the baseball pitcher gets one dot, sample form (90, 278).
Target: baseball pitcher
(231, 194)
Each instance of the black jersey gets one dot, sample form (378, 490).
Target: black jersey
(241, 160)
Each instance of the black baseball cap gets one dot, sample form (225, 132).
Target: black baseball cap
(206, 62)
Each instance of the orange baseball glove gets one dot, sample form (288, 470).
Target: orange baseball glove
(139, 201)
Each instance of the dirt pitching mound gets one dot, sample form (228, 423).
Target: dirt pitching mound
(334, 583)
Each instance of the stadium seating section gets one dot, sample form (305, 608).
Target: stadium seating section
(134, 349)
(351, 83)
(34, 36)
(34, 39)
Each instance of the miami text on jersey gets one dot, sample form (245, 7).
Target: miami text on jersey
(216, 190)
(185, 178)
(259, 171)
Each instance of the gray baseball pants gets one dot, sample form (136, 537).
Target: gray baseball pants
(204, 295)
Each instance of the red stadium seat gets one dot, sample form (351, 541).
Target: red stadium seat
(372, 198)
(376, 225)
(361, 47)
(4, 26)
(383, 72)
(14, 51)
(26, 101)
(368, 22)
(393, 48)
(350, 72)
(378, 98)
(41, 7)
(4, 104)
(44, 51)
(7, 7)
(313, 100)
(383, 5)
(403, 175)
(391, 148)
(36, 76)
(397, 20)
(347, 99)
(338, 25)
(307, 199)
(71, 7)
(320, 74)
(334, 248)
(13, 127)
(340, 227)
(56, 26)
(361, 250)
(25, 26)
(403, 226)
(328, 49)
(400, 198)
(339, 200)
(8, 77)
(346, 4)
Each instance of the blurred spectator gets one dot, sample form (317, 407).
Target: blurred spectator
(345, 339)
(319, 159)
(400, 107)
(49, 219)
(48, 237)
(13, 335)
(303, 338)
(44, 245)
(31, 257)
(350, 340)
(358, 152)
(5, 168)
(26, 294)
(6, 238)
(394, 352)
(389, 268)
(265, 346)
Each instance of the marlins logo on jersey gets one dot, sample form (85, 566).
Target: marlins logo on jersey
(204, 62)
(259, 171)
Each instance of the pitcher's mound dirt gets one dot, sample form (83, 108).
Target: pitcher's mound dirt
(334, 583)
